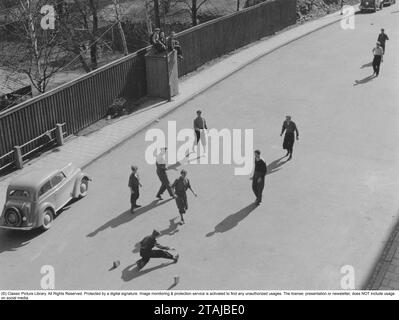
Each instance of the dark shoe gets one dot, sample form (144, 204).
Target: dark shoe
(289, 158)
(257, 202)
(139, 265)
(137, 206)
(159, 197)
(176, 258)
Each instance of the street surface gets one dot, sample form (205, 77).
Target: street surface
(333, 205)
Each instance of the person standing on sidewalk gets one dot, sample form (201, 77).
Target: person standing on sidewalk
(147, 252)
(200, 128)
(134, 186)
(258, 178)
(290, 128)
(382, 38)
(181, 185)
(161, 164)
(378, 52)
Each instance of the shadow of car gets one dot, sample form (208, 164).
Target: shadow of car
(387, 3)
(33, 199)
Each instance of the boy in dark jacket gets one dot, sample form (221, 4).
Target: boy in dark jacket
(147, 252)
(258, 178)
(134, 186)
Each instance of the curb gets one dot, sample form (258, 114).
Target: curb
(205, 88)
(381, 267)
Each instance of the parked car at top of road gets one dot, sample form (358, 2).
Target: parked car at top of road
(34, 199)
(370, 5)
(388, 2)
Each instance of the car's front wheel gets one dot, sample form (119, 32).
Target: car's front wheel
(84, 187)
(48, 218)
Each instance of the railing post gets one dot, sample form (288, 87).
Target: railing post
(168, 78)
(18, 157)
(59, 134)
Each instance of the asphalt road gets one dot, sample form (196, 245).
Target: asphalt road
(333, 205)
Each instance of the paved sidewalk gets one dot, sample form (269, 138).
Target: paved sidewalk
(83, 150)
(386, 273)
(332, 208)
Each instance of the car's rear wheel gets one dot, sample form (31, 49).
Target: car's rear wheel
(48, 218)
(84, 187)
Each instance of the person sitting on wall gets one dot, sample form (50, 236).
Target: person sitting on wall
(174, 44)
(162, 38)
(155, 40)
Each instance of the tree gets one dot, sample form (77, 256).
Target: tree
(79, 26)
(156, 14)
(33, 49)
(147, 18)
(93, 5)
(122, 33)
(193, 6)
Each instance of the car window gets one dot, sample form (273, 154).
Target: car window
(45, 188)
(57, 179)
(19, 193)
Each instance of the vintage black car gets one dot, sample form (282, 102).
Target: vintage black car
(370, 5)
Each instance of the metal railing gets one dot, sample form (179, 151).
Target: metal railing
(7, 160)
(23, 152)
(85, 100)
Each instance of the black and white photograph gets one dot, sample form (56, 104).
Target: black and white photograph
(218, 149)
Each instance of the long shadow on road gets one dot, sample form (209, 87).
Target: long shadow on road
(131, 272)
(363, 12)
(232, 220)
(275, 165)
(11, 240)
(127, 216)
(364, 80)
